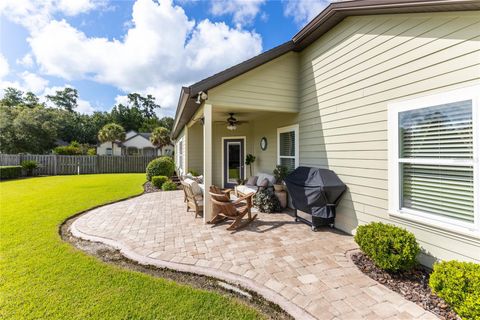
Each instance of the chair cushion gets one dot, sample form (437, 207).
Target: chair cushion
(247, 189)
(252, 181)
(269, 177)
(264, 183)
(194, 185)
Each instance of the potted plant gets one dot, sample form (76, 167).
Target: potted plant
(280, 172)
(249, 160)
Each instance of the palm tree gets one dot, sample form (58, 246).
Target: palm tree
(111, 132)
(160, 137)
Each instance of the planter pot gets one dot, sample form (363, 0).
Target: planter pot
(278, 187)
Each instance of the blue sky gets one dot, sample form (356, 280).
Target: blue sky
(107, 49)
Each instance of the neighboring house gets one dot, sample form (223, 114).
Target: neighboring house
(136, 143)
(385, 93)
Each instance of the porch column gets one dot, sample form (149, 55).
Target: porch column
(207, 160)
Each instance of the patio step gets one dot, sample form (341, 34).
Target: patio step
(176, 180)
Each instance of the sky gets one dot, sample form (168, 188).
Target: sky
(107, 49)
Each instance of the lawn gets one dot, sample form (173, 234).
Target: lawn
(43, 277)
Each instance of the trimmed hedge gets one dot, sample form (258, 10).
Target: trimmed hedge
(158, 181)
(10, 172)
(163, 166)
(169, 186)
(391, 248)
(458, 283)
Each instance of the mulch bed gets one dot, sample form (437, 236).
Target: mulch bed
(148, 187)
(413, 285)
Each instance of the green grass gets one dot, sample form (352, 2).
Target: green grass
(42, 277)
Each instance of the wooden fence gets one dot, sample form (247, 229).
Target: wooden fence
(59, 165)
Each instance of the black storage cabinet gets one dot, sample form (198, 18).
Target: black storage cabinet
(315, 194)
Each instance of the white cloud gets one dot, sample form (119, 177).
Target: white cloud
(162, 51)
(35, 14)
(302, 11)
(32, 82)
(4, 67)
(243, 11)
(121, 99)
(84, 107)
(26, 61)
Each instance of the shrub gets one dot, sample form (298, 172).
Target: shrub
(163, 166)
(67, 150)
(10, 172)
(29, 166)
(458, 283)
(91, 151)
(391, 248)
(158, 181)
(266, 201)
(169, 186)
(193, 172)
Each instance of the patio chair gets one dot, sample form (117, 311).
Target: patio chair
(223, 209)
(194, 201)
(217, 190)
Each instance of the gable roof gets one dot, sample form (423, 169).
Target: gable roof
(322, 23)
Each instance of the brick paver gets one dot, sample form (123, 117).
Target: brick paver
(307, 273)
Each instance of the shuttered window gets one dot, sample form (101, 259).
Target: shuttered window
(436, 159)
(288, 147)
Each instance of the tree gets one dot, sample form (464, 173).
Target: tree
(160, 137)
(167, 122)
(111, 132)
(29, 130)
(146, 105)
(65, 99)
(12, 97)
(30, 100)
(131, 118)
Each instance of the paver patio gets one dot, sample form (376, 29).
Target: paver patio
(308, 274)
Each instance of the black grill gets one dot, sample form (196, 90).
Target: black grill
(315, 194)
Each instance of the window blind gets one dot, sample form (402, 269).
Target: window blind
(438, 132)
(442, 190)
(443, 132)
(287, 150)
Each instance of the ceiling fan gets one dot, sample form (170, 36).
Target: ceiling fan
(232, 122)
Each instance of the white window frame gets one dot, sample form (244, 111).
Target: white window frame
(181, 155)
(297, 144)
(394, 160)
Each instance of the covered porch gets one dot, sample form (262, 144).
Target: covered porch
(209, 146)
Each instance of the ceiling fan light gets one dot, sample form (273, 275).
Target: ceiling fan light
(232, 127)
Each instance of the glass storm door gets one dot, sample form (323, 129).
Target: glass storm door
(233, 161)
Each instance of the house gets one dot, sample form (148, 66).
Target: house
(384, 93)
(136, 143)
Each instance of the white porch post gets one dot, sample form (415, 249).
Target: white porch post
(207, 160)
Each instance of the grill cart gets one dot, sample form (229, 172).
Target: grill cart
(315, 194)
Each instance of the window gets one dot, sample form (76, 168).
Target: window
(109, 152)
(287, 147)
(181, 157)
(433, 158)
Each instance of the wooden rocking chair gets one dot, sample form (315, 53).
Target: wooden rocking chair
(217, 190)
(194, 202)
(223, 208)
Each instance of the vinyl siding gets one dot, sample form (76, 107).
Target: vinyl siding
(349, 76)
(272, 86)
(267, 127)
(195, 147)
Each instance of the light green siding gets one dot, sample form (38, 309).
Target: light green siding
(348, 77)
(272, 86)
(195, 147)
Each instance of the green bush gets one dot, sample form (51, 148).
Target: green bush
(91, 151)
(458, 283)
(163, 166)
(391, 248)
(67, 150)
(158, 181)
(266, 201)
(169, 186)
(29, 166)
(10, 172)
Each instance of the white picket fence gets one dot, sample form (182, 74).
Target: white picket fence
(60, 165)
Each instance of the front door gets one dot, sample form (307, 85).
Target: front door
(233, 161)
